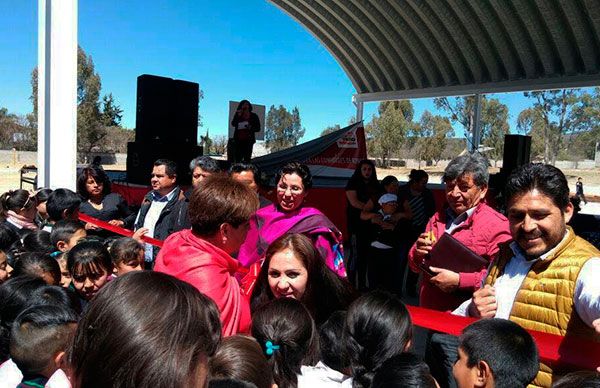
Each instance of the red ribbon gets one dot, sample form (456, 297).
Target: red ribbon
(117, 229)
(569, 351)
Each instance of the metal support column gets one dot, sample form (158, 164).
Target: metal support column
(57, 93)
(359, 108)
(477, 127)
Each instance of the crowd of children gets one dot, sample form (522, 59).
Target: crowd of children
(79, 311)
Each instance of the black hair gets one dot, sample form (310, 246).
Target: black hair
(63, 230)
(357, 174)
(245, 102)
(15, 200)
(125, 250)
(38, 241)
(8, 237)
(56, 295)
(286, 332)
(474, 164)
(174, 320)
(333, 352)
(15, 296)
(61, 200)
(388, 179)
(241, 358)
(579, 379)
(506, 347)
(378, 327)
(206, 163)
(99, 175)
(417, 175)
(88, 257)
(404, 370)
(38, 333)
(170, 166)
(237, 168)
(36, 264)
(299, 169)
(42, 195)
(229, 383)
(545, 178)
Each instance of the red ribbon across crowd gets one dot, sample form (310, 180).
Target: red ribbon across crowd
(569, 351)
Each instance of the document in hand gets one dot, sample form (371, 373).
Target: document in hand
(451, 254)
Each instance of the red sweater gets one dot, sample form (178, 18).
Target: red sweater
(211, 270)
(481, 232)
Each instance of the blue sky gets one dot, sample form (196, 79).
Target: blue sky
(233, 49)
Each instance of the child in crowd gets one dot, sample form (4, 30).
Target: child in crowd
(241, 358)
(146, 329)
(41, 198)
(5, 268)
(333, 368)
(377, 328)
(64, 236)
(38, 265)
(286, 332)
(40, 337)
(90, 266)
(127, 255)
(495, 353)
(404, 370)
(38, 241)
(62, 204)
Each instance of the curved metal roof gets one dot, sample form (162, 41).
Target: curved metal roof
(425, 48)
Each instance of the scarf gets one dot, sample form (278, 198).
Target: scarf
(21, 221)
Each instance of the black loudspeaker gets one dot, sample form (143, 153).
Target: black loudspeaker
(517, 150)
(142, 155)
(167, 110)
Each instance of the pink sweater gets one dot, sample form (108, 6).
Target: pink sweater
(481, 232)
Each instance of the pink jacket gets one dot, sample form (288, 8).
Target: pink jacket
(211, 270)
(482, 232)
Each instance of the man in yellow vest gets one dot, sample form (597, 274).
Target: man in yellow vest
(544, 279)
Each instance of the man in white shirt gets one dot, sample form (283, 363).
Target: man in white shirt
(156, 213)
(544, 279)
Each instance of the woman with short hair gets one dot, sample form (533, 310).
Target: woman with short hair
(202, 256)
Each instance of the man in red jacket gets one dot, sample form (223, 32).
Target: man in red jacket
(472, 222)
(219, 214)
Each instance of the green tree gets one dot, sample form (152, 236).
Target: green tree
(282, 128)
(387, 131)
(494, 125)
(530, 122)
(330, 129)
(111, 113)
(556, 114)
(461, 109)
(431, 137)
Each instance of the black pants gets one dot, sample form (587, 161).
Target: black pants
(382, 271)
(243, 151)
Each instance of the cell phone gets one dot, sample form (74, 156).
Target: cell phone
(425, 269)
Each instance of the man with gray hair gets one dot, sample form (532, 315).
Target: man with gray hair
(477, 226)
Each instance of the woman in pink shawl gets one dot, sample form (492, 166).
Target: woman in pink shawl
(289, 215)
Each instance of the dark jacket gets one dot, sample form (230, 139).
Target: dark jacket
(166, 223)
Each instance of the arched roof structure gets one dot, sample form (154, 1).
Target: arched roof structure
(394, 49)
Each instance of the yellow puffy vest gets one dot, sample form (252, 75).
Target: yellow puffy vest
(545, 300)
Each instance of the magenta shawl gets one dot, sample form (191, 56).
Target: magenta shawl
(270, 223)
